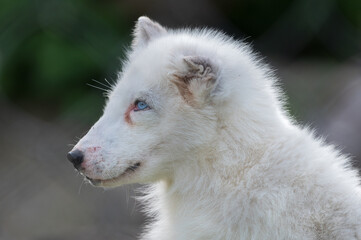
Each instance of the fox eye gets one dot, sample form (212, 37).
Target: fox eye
(141, 105)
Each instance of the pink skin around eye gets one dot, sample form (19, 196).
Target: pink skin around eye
(127, 114)
(132, 107)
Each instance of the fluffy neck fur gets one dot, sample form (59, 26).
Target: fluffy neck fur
(211, 172)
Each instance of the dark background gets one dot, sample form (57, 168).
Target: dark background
(51, 49)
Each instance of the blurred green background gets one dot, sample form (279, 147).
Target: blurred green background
(51, 49)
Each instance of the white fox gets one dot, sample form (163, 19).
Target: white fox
(196, 115)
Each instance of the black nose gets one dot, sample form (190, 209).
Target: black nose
(75, 157)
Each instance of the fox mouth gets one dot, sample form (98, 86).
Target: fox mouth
(129, 170)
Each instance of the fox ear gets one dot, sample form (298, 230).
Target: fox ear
(145, 30)
(197, 81)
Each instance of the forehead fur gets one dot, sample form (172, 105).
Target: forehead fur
(240, 73)
(162, 55)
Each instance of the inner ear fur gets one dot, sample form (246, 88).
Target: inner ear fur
(196, 80)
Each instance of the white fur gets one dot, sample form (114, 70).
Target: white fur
(230, 164)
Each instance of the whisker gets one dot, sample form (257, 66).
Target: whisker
(100, 88)
(127, 195)
(110, 84)
(81, 185)
(103, 84)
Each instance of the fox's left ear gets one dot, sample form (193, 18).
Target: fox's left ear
(145, 30)
(197, 80)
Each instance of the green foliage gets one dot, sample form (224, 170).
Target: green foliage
(50, 49)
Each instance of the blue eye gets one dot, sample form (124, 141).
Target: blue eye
(141, 105)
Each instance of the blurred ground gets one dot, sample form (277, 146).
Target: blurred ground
(41, 196)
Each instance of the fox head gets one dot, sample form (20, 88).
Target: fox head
(176, 92)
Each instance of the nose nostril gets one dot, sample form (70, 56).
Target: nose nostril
(75, 157)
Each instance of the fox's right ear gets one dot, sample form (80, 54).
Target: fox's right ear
(145, 30)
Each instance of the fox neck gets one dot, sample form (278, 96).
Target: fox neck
(211, 172)
(226, 157)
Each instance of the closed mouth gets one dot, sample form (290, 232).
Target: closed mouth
(129, 170)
